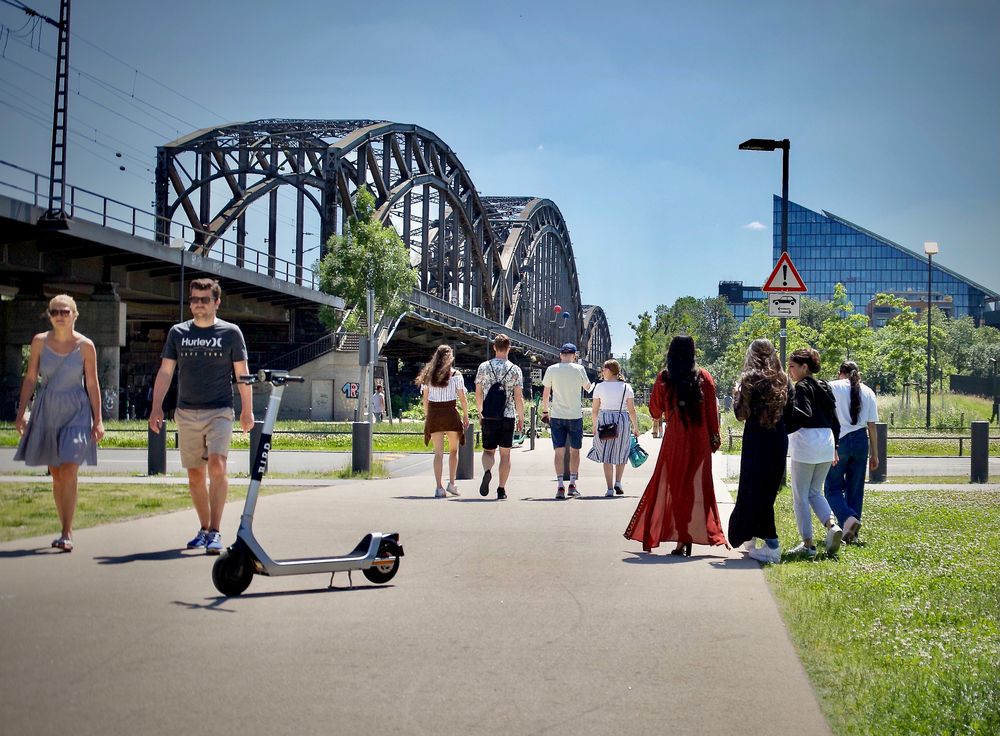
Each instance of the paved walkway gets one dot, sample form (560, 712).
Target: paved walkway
(530, 616)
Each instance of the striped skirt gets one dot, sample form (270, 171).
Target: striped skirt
(614, 450)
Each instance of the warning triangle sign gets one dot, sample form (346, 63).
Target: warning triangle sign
(784, 277)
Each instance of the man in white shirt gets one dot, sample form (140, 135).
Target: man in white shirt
(378, 403)
(561, 384)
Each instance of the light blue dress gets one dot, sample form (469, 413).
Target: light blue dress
(60, 427)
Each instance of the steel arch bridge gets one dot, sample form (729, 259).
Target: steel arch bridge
(507, 259)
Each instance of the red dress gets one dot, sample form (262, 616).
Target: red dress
(679, 501)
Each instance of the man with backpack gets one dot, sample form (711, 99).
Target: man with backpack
(501, 409)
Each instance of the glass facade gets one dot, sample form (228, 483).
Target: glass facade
(827, 249)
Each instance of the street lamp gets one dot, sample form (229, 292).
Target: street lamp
(931, 249)
(179, 244)
(766, 144)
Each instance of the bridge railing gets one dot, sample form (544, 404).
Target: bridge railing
(86, 205)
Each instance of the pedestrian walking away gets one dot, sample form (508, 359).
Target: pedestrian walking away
(857, 451)
(763, 396)
(206, 352)
(679, 504)
(442, 388)
(64, 424)
(500, 401)
(561, 386)
(813, 435)
(615, 423)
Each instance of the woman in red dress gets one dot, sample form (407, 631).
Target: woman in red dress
(679, 501)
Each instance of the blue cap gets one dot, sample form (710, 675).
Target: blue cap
(568, 348)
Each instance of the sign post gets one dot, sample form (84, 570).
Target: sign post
(783, 289)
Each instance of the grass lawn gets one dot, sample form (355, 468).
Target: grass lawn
(901, 634)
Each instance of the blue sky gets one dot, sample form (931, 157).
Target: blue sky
(627, 115)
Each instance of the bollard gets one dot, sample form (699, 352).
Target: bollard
(255, 432)
(881, 443)
(531, 431)
(361, 447)
(980, 453)
(467, 455)
(156, 451)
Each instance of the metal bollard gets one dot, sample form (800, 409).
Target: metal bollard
(361, 447)
(881, 443)
(980, 453)
(531, 431)
(467, 455)
(255, 432)
(156, 451)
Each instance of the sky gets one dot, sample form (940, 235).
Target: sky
(627, 115)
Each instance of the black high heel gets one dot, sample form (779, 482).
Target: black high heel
(687, 549)
(684, 549)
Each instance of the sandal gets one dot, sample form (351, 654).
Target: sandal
(63, 543)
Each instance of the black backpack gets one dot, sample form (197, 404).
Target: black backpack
(495, 400)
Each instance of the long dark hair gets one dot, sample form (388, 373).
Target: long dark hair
(850, 369)
(437, 371)
(762, 369)
(682, 375)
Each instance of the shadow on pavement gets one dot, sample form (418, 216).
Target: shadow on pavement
(159, 555)
(662, 558)
(10, 553)
(215, 603)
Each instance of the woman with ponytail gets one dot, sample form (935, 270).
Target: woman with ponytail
(845, 483)
(678, 504)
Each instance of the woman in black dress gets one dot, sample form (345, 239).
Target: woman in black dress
(762, 396)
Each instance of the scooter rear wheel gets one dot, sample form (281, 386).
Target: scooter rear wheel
(379, 575)
(233, 571)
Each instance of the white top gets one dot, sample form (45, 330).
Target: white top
(456, 385)
(811, 445)
(869, 409)
(378, 402)
(564, 380)
(611, 393)
(491, 371)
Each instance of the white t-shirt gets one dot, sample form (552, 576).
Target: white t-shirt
(564, 380)
(378, 403)
(611, 393)
(456, 386)
(811, 445)
(869, 409)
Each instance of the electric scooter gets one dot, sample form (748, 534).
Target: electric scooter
(377, 554)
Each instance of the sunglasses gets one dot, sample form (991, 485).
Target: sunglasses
(60, 312)
(200, 300)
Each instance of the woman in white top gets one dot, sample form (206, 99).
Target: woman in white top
(614, 403)
(443, 387)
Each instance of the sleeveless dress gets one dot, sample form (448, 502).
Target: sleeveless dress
(61, 422)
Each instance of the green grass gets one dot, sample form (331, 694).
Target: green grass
(377, 471)
(27, 508)
(901, 635)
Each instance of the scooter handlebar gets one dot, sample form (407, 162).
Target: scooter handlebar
(273, 377)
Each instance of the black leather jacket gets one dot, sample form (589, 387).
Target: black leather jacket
(813, 405)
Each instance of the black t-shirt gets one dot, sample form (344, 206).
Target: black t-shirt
(205, 357)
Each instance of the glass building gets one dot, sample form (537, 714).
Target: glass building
(827, 249)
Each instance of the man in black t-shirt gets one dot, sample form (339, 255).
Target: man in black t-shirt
(205, 351)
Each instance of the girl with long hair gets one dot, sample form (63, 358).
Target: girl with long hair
(679, 501)
(845, 483)
(762, 396)
(443, 388)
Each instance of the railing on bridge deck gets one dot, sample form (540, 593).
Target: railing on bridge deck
(86, 205)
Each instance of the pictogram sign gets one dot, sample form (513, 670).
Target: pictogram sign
(784, 277)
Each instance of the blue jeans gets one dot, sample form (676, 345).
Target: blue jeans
(845, 483)
(567, 430)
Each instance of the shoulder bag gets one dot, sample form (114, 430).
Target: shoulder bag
(610, 430)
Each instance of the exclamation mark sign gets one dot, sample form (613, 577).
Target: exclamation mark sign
(784, 275)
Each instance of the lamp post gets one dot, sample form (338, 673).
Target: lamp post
(766, 144)
(931, 249)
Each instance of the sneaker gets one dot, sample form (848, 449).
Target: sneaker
(618, 490)
(501, 494)
(561, 494)
(199, 541)
(452, 490)
(484, 486)
(610, 493)
(801, 549)
(573, 493)
(440, 493)
(851, 527)
(214, 545)
(766, 554)
(834, 536)
(750, 545)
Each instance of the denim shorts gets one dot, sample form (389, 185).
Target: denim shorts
(567, 429)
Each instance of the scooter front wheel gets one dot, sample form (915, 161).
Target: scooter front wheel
(233, 571)
(381, 573)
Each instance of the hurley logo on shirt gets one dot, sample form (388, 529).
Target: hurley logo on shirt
(201, 342)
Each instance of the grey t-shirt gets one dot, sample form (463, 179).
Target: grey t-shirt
(205, 357)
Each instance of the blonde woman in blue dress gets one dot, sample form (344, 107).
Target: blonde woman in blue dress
(65, 420)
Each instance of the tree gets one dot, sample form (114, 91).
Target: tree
(719, 328)
(647, 355)
(899, 343)
(371, 255)
(844, 335)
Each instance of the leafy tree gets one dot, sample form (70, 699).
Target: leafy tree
(719, 328)
(647, 356)
(813, 313)
(844, 335)
(899, 343)
(370, 255)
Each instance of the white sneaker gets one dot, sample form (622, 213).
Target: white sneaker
(440, 493)
(750, 545)
(801, 549)
(834, 536)
(766, 554)
(451, 490)
(610, 493)
(851, 527)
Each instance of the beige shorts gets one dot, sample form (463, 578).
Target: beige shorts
(203, 432)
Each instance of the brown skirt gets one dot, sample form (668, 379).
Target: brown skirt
(442, 416)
